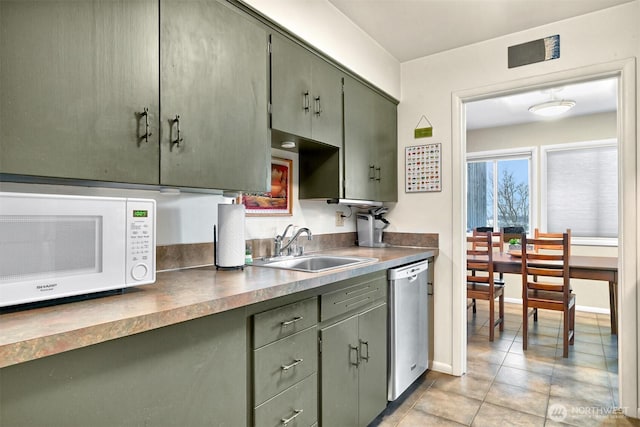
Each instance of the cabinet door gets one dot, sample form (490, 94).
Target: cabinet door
(74, 78)
(372, 328)
(359, 145)
(386, 136)
(370, 141)
(188, 374)
(326, 103)
(291, 97)
(339, 372)
(214, 97)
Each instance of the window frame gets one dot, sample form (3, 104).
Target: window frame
(544, 149)
(530, 153)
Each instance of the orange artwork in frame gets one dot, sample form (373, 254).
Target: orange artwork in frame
(276, 202)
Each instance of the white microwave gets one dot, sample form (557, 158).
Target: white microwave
(55, 246)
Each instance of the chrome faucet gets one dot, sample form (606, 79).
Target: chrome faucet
(278, 241)
(279, 249)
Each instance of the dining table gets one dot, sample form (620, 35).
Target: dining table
(580, 267)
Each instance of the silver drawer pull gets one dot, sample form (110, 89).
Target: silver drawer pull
(292, 321)
(286, 421)
(295, 362)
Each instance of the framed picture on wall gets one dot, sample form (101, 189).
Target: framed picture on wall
(423, 171)
(276, 202)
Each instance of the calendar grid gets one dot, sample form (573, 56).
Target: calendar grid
(423, 172)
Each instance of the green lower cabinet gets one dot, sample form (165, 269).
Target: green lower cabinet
(295, 407)
(353, 363)
(189, 374)
(283, 363)
(339, 374)
(372, 381)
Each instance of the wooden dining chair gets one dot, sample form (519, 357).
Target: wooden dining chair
(497, 244)
(512, 232)
(537, 234)
(480, 279)
(545, 285)
(546, 245)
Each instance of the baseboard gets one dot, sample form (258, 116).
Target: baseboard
(442, 367)
(583, 308)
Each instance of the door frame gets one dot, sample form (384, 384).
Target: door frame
(628, 297)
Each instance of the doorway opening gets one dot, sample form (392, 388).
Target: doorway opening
(622, 73)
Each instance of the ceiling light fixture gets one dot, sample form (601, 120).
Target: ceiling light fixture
(288, 144)
(552, 108)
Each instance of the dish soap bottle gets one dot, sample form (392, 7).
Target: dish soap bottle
(248, 257)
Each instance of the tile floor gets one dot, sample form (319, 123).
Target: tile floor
(506, 386)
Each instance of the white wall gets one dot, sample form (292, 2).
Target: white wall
(326, 28)
(591, 295)
(428, 85)
(571, 129)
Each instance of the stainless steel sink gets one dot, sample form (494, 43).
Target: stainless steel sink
(312, 263)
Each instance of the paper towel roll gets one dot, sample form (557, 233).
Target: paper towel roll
(231, 244)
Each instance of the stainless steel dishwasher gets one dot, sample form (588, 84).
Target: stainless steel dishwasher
(408, 326)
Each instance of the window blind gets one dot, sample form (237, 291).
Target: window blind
(582, 191)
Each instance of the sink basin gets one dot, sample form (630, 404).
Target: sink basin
(312, 263)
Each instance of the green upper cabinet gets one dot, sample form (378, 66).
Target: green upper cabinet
(214, 68)
(75, 80)
(306, 93)
(370, 144)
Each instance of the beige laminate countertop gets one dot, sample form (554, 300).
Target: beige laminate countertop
(176, 296)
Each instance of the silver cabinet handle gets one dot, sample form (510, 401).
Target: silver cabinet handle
(147, 134)
(178, 140)
(318, 106)
(351, 348)
(378, 174)
(372, 172)
(362, 345)
(296, 412)
(292, 321)
(305, 102)
(294, 363)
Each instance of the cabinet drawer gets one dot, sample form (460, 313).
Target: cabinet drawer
(281, 322)
(299, 401)
(283, 363)
(356, 293)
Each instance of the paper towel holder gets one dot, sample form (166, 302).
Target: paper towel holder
(215, 255)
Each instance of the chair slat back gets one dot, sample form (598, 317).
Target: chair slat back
(480, 259)
(497, 239)
(547, 240)
(553, 263)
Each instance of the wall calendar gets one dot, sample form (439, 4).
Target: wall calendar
(423, 171)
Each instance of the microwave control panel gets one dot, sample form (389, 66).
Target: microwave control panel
(141, 245)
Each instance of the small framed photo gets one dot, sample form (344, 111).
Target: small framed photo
(276, 202)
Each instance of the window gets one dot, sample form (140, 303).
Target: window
(499, 189)
(580, 189)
